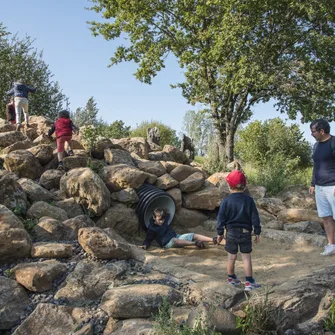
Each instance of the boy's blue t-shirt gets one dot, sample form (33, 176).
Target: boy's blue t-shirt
(238, 210)
(161, 234)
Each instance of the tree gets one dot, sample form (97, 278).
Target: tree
(168, 135)
(264, 143)
(87, 116)
(18, 59)
(198, 126)
(234, 53)
(117, 129)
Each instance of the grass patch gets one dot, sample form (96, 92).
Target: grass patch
(29, 225)
(329, 323)
(166, 325)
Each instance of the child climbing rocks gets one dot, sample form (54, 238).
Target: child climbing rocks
(63, 128)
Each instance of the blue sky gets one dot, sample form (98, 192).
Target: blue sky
(79, 63)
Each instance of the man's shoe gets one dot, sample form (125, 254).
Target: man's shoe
(233, 282)
(328, 250)
(18, 127)
(70, 153)
(251, 286)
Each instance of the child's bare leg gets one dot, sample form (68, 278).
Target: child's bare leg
(69, 145)
(203, 238)
(60, 156)
(246, 258)
(231, 264)
(182, 243)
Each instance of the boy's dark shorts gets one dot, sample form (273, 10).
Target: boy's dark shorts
(238, 238)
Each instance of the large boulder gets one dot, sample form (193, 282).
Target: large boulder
(181, 172)
(20, 145)
(24, 164)
(118, 156)
(121, 176)
(121, 218)
(127, 196)
(35, 192)
(298, 214)
(207, 198)
(155, 168)
(176, 154)
(271, 205)
(51, 250)
(74, 162)
(11, 137)
(137, 145)
(38, 277)
(15, 243)
(8, 219)
(176, 195)
(49, 229)
(41, 208)
(89, 281)
(12, 195)
(160, 156)
(43, 152)
(72, 226)
(53, 320)
(188, 218)
(131, 326)
(170, 165)
(51, 179)
(166, 182)
(13, 302)
(98, 243)
(6, 127)
(71, 207)
(137, 301)
(192, 183)
(297, 196)
(87, 188)
(99, 147)
(41, 124)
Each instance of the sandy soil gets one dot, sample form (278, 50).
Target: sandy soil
(273, 262)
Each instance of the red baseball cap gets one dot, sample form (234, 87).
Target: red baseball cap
(235, 178)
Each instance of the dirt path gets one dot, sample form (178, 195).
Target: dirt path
(273, 262)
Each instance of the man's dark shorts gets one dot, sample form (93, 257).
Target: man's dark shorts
(238, 238)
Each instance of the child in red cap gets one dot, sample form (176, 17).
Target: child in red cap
(238, 215)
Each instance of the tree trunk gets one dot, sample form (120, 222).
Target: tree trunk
(230, 146)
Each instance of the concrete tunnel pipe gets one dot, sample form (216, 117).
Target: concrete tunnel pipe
(151, 197)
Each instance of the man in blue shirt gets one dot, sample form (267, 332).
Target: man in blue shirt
(323, 180)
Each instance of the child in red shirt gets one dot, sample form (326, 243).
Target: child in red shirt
(64, 128)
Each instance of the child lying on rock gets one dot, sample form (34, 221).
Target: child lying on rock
(166, 237)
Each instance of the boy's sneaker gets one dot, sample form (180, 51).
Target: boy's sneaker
(70, 153)
(215, 240)
(251, 286)
(60, 166)
(234, 282)
(328, 250)
(200, 244)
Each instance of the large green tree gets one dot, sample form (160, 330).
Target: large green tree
(234, 53)
(198, 126)
(20, 60)
(88, 115)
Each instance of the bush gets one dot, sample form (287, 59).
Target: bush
(168, 135)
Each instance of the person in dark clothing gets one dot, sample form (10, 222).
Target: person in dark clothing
(323, 180)
(10, 111)
(166, 237)
(63, 128)
(20, 92)
(239, 216)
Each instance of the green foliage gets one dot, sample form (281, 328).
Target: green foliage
(275, 178)
(91, 135)
(329, 323)
(117, 129)
(19, 59)
(29, 225)
(168, 135)
(198, 126)
(234, 54)
(166, 325)
(9, 273)
(271, 141)
(86, 116)
(259, 318)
